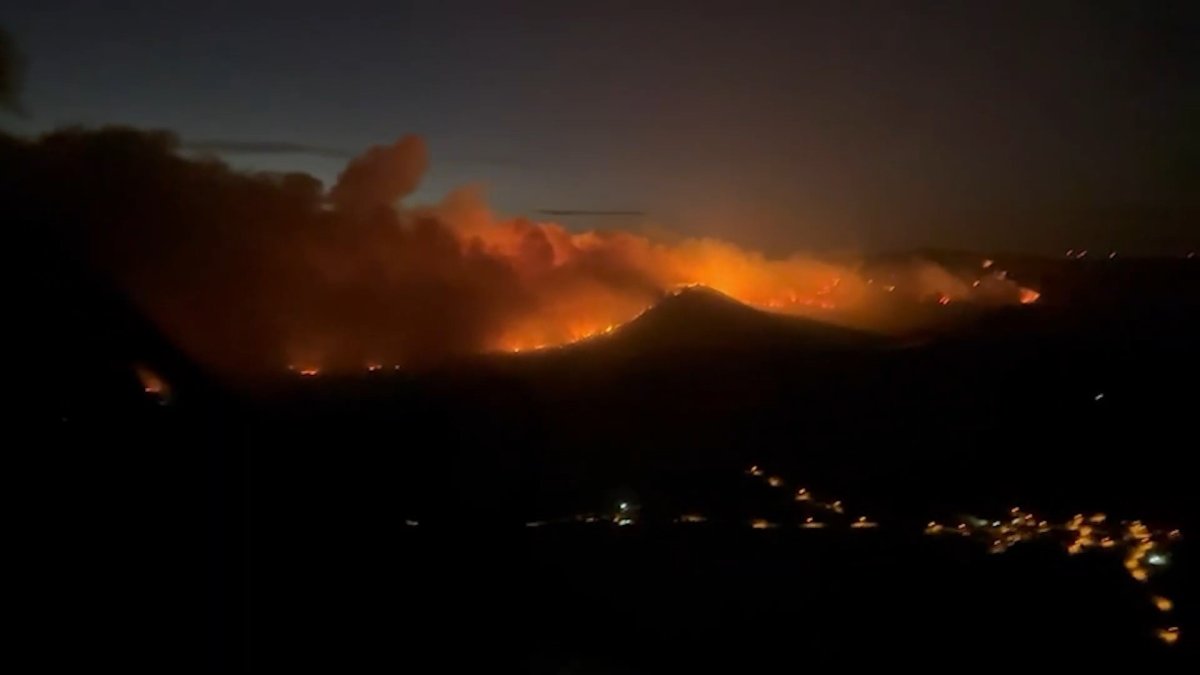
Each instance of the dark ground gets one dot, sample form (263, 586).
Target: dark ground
(263, 526)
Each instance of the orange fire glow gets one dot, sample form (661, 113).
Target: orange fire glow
(355, 277)
(151, 382)
(587, 284)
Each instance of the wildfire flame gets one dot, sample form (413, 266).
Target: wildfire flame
(251, 271)
(151, 382)
(574, 305)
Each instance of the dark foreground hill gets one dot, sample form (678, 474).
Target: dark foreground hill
(1056, 408)
(133, 491)
(406, 495)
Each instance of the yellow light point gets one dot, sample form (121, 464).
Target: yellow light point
(933, 527)
(1098, 518)
(310, 372)
(1175, 534)
(775, 481)
(1169, 635)
(1138, 529)
(692, 518)
(1015, 510)
(761, 524)
(988, 263)
(1163, 604)
(863, 523)
(1107, 542)
(754, 470)
(1139, 574)
(837, 506)
(811, 524)
(802, 495)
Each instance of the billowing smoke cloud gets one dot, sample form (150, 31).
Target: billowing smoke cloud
(251, 271)
(381, 175)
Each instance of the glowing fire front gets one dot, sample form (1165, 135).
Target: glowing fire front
(418, 283)
(454, 277)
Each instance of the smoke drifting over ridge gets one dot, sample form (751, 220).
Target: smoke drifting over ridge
(251, 272)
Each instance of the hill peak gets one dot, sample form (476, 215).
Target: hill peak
(704, 299)
(703, 317)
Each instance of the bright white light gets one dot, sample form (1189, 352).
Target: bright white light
(1099, 396)
(1156, 559)
(623, 506)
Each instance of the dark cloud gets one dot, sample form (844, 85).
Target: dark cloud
(237, 147)
(249, 272)
(382, 174)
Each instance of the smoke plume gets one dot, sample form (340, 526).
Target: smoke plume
(254, 271)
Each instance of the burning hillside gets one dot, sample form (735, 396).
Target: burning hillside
(257, 271)
(698, 318)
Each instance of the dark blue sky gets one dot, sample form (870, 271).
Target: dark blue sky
(777, 125)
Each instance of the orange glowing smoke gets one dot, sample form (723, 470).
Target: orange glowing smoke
(585, 284)
(250, 271)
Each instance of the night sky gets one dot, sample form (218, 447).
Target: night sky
(822, 126)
